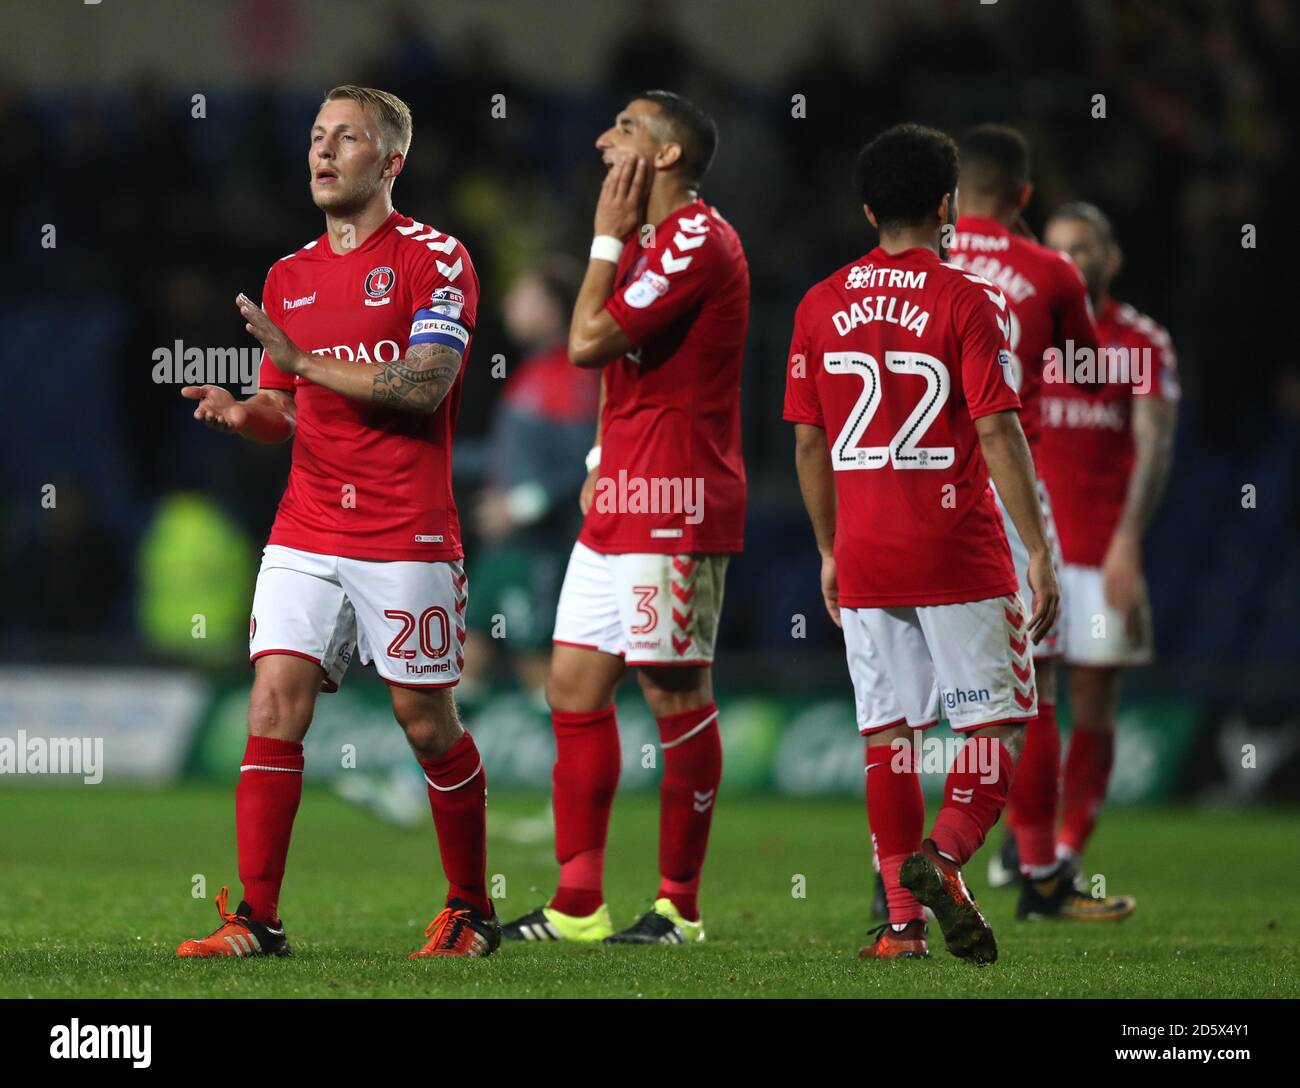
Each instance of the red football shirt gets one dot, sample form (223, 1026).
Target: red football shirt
(672, 478)
(896, 356)
(1087, 448)
(369, 482)
(1048, 299)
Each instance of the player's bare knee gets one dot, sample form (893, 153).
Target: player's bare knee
(279, 710)
(1011, 736)
(560, 691)
(283, 696)
(673, 690)
(574, 689)
(890, 736)
(428, 718)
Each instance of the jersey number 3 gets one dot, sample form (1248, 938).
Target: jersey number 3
(904, 450)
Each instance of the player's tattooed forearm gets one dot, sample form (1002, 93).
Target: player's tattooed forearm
(418, 382)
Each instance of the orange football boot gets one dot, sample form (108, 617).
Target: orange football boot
(238, 935)
(936, 882)
(460, 930)
(908, 943)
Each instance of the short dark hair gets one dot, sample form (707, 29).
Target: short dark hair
(1088, 213)
(994, 162)
(905, 172)
(691, 127)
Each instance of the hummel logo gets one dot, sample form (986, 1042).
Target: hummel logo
(964, 797)
(673, 264)
(703, 800)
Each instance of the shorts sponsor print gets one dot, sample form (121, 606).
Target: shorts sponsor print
(650, 609)
(969, 663)
(405, 616)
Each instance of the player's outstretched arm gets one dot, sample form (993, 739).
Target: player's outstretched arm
(1006, 453)
(418, 382)
(812, 461)
(267, 416)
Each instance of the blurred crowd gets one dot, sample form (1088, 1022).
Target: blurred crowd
(161, 217)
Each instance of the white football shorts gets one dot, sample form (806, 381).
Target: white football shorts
(970, 663)
(1095, 634)
(407, 617)
(650, 609)
(1051, 646)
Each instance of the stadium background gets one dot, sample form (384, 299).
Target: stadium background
(161, 217)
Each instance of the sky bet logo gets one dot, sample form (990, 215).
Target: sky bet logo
(954, 699)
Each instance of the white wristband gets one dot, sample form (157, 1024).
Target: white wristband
(605, 247)
(593, 457)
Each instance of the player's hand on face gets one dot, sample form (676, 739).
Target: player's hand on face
(286, 355)
(831, 590)
(1046, 595)
(217, 408)
(622, 197)
(588, 491)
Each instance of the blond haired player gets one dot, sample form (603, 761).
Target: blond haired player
(365, 331)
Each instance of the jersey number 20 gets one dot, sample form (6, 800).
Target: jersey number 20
(431, 649)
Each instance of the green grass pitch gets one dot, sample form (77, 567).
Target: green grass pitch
(96, 896)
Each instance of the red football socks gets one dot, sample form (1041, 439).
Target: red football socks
(973, 797)
(585, 777)
(1087, 774)
(896, 815)
(266, 801)
(692, 755)
(458, 797)
(1035, 794)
